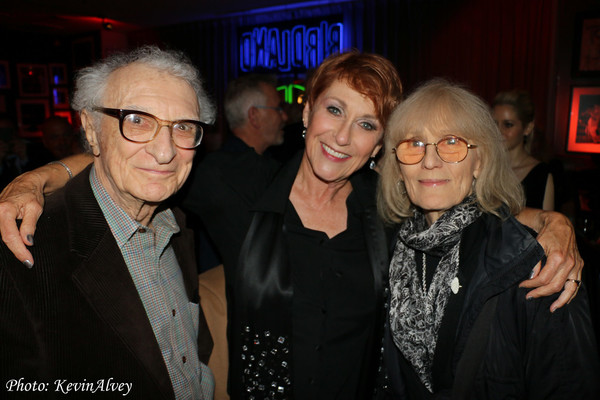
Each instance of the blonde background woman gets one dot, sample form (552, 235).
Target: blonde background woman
(514, 113)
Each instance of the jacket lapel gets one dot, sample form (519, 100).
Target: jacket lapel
(105, 282)
(364, 186)
(183, 245)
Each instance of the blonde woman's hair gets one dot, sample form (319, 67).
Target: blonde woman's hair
(438, 106)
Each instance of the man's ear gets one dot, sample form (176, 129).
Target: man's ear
(254, 117)
(90, 132)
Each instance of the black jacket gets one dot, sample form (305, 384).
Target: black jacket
(528, 352)
(222, 189)
(263, 290)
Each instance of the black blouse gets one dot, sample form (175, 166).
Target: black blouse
(326, 295)
(534, 185)
(333, 307)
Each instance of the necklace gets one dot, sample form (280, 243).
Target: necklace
(424, 274)
(454, 285)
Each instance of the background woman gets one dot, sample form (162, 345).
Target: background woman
(459, 323)
(514, 113)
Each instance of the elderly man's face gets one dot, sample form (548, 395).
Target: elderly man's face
(135, 174)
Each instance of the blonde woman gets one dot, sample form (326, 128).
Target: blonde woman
(513, 112)
(459, 323)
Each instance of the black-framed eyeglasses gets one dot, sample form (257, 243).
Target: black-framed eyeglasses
(451, 149)
(142, 127)
(279, 109)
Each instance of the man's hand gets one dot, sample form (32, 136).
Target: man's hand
(23, 198)
(563, 267)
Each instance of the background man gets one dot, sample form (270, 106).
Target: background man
(230, 179)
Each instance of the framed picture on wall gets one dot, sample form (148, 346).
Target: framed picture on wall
(4, 75)
(66, 114)
(587, 62)
(584, 121)
(58, 74)
(60, 97)
(31, 113)
(33, 79)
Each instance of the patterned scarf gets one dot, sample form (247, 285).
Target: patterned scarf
(415, 316)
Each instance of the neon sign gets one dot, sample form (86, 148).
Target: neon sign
(288, 92)
(301, 47)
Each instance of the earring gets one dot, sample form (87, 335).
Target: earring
(304, 133)
(372, 163)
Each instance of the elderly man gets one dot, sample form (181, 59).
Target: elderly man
(224, 184)
(111, 304)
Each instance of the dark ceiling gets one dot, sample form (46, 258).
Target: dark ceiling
(77, 16)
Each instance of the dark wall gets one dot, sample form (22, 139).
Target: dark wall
(30, 48)
(488, 46)
(567, 42)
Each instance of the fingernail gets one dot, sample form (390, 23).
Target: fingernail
(28, 264)
(30, 239)
(552, 309)
(529, 297)
(532, 274)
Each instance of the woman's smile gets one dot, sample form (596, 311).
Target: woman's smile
(332, 154)
(433, 182)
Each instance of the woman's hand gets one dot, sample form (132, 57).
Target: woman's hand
(23, 199)
(563, 266)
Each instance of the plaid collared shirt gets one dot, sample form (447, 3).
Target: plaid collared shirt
(153, 266)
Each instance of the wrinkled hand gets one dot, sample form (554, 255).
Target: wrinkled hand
(22, 199)
(557, 237)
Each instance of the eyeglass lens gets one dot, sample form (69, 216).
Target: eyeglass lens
(450, 149)
(142, 128)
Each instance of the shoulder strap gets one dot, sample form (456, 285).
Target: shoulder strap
(474, 350)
